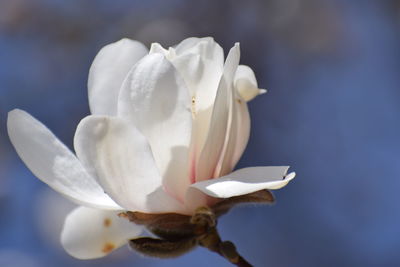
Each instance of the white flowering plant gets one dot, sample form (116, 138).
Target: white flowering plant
(158, 152)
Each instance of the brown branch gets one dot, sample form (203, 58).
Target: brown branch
(235, 258)
(212, 241)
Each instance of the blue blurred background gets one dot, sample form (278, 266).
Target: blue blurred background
(332, 112)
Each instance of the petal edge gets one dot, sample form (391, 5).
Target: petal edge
(245, 181)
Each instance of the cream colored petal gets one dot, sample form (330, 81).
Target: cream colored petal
(92, 233)
(246, 83)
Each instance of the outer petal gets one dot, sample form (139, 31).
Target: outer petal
(217, 134)
(53, 163)
(156, 100)
(119, 154)
(92, 233)
(245, 181)
(108, 71)
(246, 83)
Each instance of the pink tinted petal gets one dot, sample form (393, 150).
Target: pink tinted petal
(93, 233)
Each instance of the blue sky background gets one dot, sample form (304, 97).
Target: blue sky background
(332, 112)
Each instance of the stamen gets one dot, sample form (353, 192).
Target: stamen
(193, 106)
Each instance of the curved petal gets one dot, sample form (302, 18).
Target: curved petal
(200, 61)
(238, 135)
(93, 233)
(108, 70)
(242, 130)
(157, 48)
(246, 83)
(121, 158)
(245, 89)
(217, 133)
(245, 181)
(226, 159)
(53, 163)
(206, 47)
(188, 43)
(192, 68)
(155, 99)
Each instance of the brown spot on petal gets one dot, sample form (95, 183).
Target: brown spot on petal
(107, 222)
(108, 247)
(239, 101)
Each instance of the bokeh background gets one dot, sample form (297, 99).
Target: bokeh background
(332, 112)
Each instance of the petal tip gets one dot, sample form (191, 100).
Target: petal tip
(125, 39)
(262, 91)
(15, 112)
(289, 176)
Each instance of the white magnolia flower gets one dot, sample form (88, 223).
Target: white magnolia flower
(166, 130)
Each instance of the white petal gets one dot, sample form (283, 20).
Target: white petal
(201, 62)
(217, 134)
(53, 163)
(155, 99)
(246, 181)
(93, 233)
(239, 133)
(192, 69)
(246, 83)
(157, 48)
(246, 88)
(121, 158)
(109, 68)
(242, 130)
(188, 43)
(206, 47)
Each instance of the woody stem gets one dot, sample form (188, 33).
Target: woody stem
(226, 249)
(237, 259)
